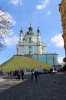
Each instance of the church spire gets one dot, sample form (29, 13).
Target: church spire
(21, 31)
(38, 30)
(30, 27)
(30, 24)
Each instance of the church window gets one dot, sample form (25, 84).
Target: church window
(30, 39)
(29, 52)
(29, 46)
(42, 47)
(23, 39)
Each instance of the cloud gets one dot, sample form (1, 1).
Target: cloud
(11, 40)
(42, 5)
(39, 7)
(57, 40)
(60, 60)
(16, 2)
(49, 12)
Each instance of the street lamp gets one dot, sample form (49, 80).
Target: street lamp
(53, 62)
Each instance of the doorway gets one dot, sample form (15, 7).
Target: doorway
(29, 52)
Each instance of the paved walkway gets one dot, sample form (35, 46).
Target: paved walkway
(48, 87)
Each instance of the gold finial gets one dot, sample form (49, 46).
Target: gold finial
(30, 24)
(38, 28)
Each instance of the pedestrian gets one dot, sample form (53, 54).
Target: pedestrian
(22, 74)
(36, 74)
(16, 73)
(31, 73)
(19, 73)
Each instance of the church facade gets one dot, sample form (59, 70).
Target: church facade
(30, 44)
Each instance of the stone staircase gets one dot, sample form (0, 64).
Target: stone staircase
(27, 55)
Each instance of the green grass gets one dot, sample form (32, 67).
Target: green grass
(22, 62)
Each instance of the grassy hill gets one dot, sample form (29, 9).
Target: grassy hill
(17, 62)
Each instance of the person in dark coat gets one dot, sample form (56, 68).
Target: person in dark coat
(32, 74)
(36, 74)
(19, 73)
(22, 74)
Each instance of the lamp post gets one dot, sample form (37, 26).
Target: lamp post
(53, 61)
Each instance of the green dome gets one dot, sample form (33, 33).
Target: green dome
(38, 30)
(21, 31)
(30, 28)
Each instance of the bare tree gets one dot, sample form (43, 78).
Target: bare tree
(5, 26)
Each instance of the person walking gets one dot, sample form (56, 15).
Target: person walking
(31, 73)
(16, 74)
(22, 74)
(36, 74)
(19, 73)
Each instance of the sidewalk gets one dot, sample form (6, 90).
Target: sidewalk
(1, 79)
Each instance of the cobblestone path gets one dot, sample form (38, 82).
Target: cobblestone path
(48, 87)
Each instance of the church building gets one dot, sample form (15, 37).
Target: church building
(30, 44)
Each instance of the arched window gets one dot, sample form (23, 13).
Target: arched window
(30, 39)
(29, 46)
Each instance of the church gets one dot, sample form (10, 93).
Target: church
(30, 43)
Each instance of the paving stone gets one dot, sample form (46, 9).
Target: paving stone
(47, 87)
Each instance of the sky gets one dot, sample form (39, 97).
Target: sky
(42, 13)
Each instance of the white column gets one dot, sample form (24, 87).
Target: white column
(19, 50)
(22, 50)
(40, 49)
(37, 50)
(26, 50)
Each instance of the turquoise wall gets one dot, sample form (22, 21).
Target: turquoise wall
(34, 49)
(49, 59)
(24, 49)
